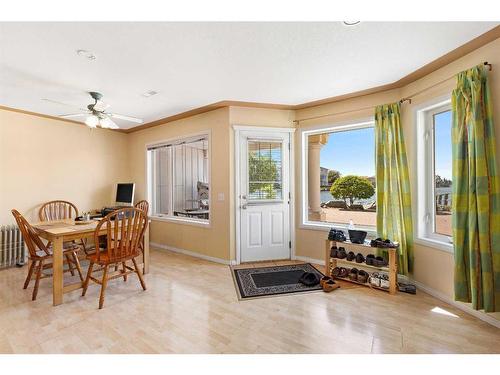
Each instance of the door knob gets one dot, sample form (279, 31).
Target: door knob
(244, 206)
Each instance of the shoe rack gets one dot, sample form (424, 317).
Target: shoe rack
(391, 268)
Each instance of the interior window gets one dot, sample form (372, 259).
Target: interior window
(179, 179)
(341, 177)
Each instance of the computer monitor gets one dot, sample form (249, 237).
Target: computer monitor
(125, 194)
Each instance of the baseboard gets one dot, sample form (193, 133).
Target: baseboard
(440, 296)
(309, 260)
(459, 305)
(193, 254)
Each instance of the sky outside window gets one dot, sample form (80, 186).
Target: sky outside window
(442, 144)
(350, 152)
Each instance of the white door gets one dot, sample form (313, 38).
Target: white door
(264, 198)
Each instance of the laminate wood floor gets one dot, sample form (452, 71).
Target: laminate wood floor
(191, 307)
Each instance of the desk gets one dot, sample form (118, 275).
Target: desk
(61, 231)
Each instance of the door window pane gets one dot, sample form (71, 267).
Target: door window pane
(265, 170)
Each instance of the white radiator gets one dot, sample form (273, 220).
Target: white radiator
(12, 250)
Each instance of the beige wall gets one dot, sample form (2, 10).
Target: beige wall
(28, 181)
(433, 267)
(244, 116)
(213, 241)
(43, 159)
(310, 243)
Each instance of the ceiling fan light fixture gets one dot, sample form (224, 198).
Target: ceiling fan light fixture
(105, 123)
(92, 121)
(351, 23)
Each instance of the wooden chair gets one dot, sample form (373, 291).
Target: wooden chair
(60, 210)
(57, 210)
(124, 231)
(144, 206)
(40, 254)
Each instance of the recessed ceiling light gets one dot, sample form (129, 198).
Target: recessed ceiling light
(351, 23)
(87, 54)
(149, 93)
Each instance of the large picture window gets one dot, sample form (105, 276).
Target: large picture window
(340, 179)
(434, 173)
(178, 179)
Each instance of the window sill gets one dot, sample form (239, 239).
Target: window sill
(325, 227)
(435, 244)
(183, 221)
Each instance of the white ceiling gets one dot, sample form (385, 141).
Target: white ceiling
(195, 64)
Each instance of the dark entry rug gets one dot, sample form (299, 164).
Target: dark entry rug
(269, 281)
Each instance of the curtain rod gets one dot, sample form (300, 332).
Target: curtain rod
(402, 101)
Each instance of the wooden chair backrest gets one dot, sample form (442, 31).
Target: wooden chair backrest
(57, 210)
(31, 238)
(124, 231)
(143, 205)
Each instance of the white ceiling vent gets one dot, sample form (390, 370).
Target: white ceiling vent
(149, 93)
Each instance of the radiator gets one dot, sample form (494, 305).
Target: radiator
(12, 249)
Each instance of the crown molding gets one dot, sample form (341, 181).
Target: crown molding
(17, 110)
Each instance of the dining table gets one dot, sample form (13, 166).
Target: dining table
(60, 231)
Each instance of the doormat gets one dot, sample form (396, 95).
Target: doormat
(270, 281)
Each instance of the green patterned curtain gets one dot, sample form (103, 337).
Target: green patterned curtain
(394, 220)
(476, 194)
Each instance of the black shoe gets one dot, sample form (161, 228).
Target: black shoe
(331, 234)
(350, 256)
(407, 288)
(341, 254)
(353, 274)
(369, 259)
(360, 258)
(333, 252)
(309, 279)
(336, 235)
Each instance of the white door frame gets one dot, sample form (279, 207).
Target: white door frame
(237, 188)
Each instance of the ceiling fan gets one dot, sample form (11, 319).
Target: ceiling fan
(96, 114)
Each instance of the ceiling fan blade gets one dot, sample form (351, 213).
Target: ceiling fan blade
(101, 106)
(126, 118)
(74, 115)
(107, 123)
(65, 104)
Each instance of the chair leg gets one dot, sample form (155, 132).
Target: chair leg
(103, 286)
(82, 244)
(30, 274)
(77, 264)
(37, 282)
(124, 272)
(139, 273)
(70, 265)
(87, 279)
